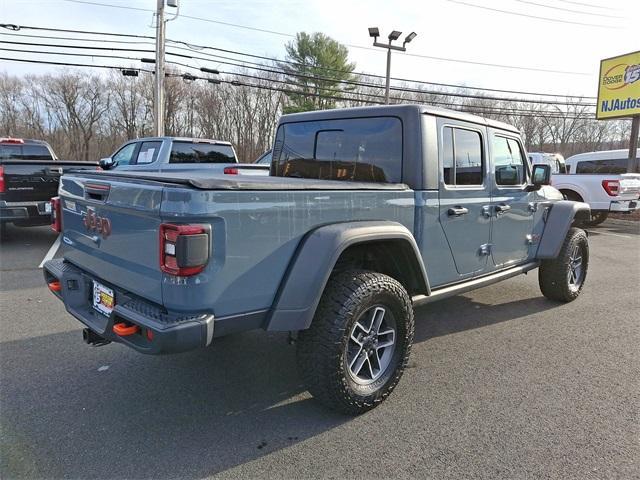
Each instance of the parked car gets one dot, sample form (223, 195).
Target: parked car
(399, 206)
(600, 179)
(29, 176)
(162, 154)
(554, 160)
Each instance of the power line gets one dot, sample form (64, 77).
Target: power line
(588, 5)
(194, 47)
(581, 12)
(289, 91)
(313, 77)
(416, 55)
(244, 75)
(508, 12)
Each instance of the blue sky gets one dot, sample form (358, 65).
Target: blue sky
(455, 29)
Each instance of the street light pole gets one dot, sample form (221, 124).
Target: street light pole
(386, 90)
(158, 104)
(374, 32)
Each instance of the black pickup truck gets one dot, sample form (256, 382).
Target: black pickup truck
(29, 177)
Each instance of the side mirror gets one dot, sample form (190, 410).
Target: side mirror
(540, 175)
(106, 163)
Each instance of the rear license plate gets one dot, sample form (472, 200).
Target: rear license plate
(103, 299)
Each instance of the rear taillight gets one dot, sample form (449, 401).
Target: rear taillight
(230, 170)
(184, 249)
(612, 187)
(1, 179)
(56, 215)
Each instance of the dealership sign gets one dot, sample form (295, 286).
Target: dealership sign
(619, 87)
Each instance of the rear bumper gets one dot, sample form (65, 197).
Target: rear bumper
(170, 332)
(624, 206)
(25, 212)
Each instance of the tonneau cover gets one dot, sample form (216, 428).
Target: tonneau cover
(210, 181)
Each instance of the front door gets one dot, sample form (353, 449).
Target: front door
(512, 206)
(465, 196)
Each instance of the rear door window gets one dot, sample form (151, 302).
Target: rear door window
(462, 157)
(189, 152)
(354, 149)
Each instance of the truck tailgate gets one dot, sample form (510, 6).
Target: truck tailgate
(630, 185)
(110, 229)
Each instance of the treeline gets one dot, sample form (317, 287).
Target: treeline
(86, 116)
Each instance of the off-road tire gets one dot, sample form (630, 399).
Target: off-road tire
(554, 274)
(321, 349)
(596, 219)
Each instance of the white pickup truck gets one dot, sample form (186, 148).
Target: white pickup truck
(600, 179)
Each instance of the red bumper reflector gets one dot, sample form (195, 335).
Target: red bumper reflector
(55, 286)
(125, 330)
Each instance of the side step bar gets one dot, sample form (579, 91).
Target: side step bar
(445, 292)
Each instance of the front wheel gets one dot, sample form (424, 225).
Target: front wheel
(562, 278)
(358, 345)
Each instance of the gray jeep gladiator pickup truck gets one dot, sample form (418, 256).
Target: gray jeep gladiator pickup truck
(367, 213)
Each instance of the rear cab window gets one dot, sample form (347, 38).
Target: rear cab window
(595, 167)
(352, 149)
(25, 152)
(191, 152)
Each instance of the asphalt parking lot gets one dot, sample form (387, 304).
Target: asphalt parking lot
(502, 384)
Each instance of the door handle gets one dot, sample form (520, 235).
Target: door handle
(502, 208)
(457, 211)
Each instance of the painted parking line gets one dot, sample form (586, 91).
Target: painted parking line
(52, 251)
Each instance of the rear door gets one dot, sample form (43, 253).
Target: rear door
(512, 206)
(111, 230)
(464, 196)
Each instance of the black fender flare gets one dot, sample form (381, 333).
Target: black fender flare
(315, 258)
(558, 222)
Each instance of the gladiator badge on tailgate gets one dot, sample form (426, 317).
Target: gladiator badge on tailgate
(97, 224)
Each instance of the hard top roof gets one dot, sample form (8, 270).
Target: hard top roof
(395, 110)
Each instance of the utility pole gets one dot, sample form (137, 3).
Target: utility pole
(158, 102)
(374, 32)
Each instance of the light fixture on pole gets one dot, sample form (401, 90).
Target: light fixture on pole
(374, 32)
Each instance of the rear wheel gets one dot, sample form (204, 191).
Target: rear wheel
(354, 353)
(562, 278)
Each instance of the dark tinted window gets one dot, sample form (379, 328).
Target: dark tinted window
(187, 152)
(358, 149)
(148, 152)
(10, 151)
(36, 152)
(25, 152)
(462, 156)
(618, 165)
(447, 155)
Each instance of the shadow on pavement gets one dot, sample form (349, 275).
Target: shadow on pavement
(188, 415)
